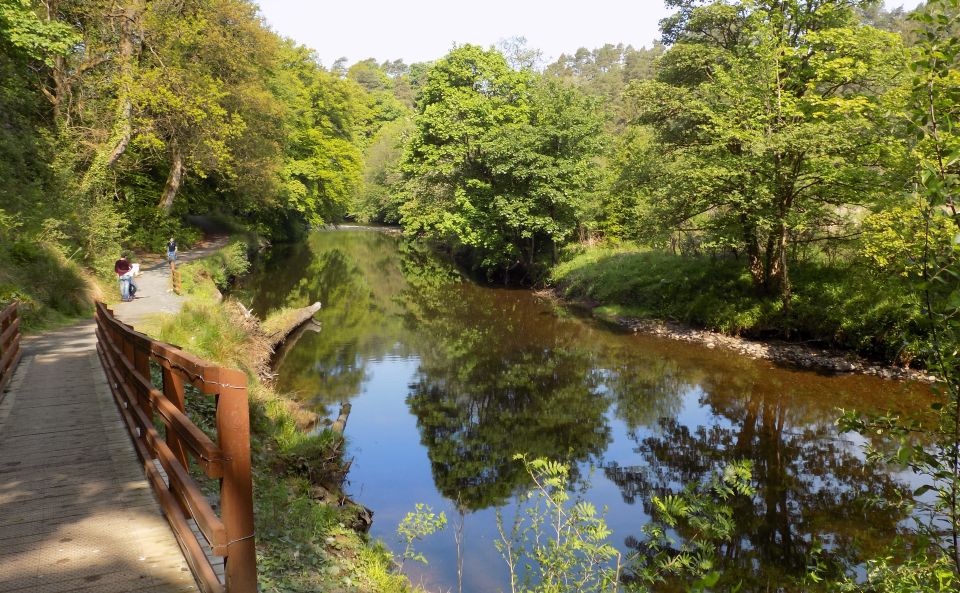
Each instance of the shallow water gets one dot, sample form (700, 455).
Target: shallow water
(449, 379)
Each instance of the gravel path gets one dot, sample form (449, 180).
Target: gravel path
(154, 290)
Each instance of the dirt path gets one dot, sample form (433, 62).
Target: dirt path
(154, 290)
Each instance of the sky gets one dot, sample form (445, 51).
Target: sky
(424, 30)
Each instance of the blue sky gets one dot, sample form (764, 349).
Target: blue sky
(422, 30)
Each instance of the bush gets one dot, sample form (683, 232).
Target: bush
(222, 267)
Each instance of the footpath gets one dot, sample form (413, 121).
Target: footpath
(76, 513)
(154, 289)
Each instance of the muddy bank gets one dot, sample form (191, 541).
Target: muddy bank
(792, 354)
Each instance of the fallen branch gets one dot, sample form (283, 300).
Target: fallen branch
(299, 317)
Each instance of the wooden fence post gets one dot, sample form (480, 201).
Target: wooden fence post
(236, 486)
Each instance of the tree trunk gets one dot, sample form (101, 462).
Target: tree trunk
(757, 269)
(299, 317)
(123, 127)
(340, 424)
(779, 279)
(122, 130)
(172, 186)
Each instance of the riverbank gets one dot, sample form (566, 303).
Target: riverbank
(841, 320)
(53, 290)
(309, 536)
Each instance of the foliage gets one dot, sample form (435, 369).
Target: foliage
(556, 544)
(703, 515)
(322, 168)
(894, 239)
(25, 31)
(559, 544)
(416, 525)
(930, 444)
(498, 161)
(379, 200)
(772, 119)
(606, 71)
(915, 575)
(50, 287)
(222, 267)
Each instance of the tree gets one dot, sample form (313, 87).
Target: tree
(322, 158)
(773, 122)
(930, 443)
(605, 72)
(499, 161)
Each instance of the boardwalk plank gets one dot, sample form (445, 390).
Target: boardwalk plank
(76, 514)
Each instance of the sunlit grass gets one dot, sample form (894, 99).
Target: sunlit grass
(838, 304)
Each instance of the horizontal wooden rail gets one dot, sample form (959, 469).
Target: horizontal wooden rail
(126, 356)
(9, 343)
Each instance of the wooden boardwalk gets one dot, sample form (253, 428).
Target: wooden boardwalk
(76, 513)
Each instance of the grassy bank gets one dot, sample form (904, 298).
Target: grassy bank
(303, 542)
(52, 289)
(840, 305)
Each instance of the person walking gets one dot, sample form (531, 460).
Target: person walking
(172, 254)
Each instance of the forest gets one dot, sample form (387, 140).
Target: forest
(768, 168)
(758, 163)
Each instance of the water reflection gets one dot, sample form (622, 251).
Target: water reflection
(494, 380)
(449, 379)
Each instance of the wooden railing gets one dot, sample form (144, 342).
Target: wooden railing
(9, 343)
(175, 279)
(127, 357)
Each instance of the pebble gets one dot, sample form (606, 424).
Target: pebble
(795, 354)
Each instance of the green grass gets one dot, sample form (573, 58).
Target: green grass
(205, 277)
(302, 543)
(838, 305)
(52, 289)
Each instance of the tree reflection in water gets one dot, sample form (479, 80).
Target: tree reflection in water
(499, 372)
(811, 485)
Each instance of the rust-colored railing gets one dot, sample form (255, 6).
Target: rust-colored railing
(175, 279)
(9, 343)
(127, 356)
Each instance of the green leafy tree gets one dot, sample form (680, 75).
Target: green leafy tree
(773, 121)
(498, 162)
(22, 29)
(322, 159)
(930, 444)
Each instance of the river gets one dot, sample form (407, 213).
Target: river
(448, 379)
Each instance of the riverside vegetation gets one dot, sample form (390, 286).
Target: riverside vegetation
(777, 168)
(307, 535)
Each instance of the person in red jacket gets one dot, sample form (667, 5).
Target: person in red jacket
(124, 271)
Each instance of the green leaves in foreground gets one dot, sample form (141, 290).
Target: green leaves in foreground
(416, 526)
(559, 544)
(689, 528)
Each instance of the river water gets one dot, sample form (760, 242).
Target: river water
(449, 379)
